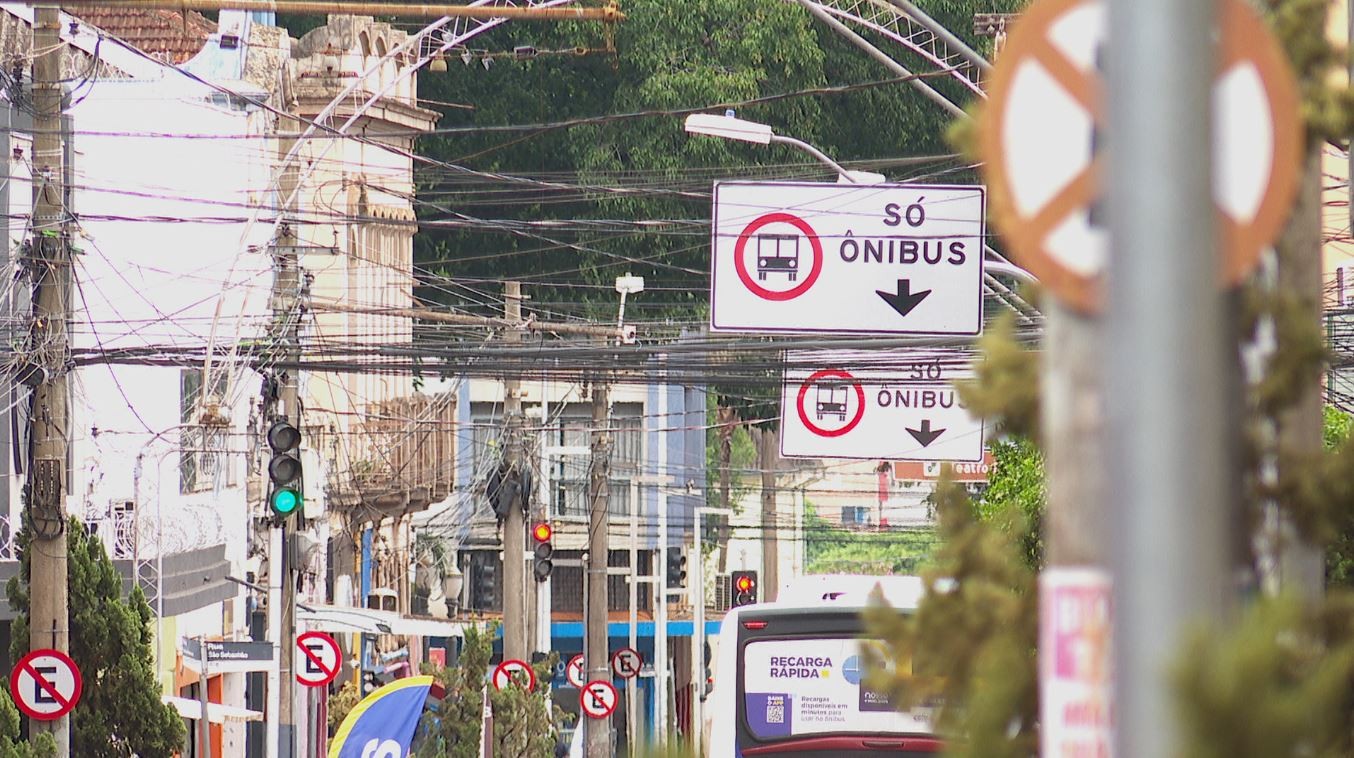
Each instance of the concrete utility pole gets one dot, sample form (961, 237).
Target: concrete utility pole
(514, 525)
(596, 659)
(1073, 407)
(50, 265)
(287, 314)
(1166, 358)
(768, 456)
(1301, 565)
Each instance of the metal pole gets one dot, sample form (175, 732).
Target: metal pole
(49, 253)
(1165, 366)
(413, 10)
(273, 733)
(889, 63)
(514, 525)
(631, 688)
(204, 731)
(595, 627)
(698, 630)
(660, 585)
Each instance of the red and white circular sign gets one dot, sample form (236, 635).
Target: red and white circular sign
(1040, 141)
(778, 256)
(319, 659)
(512, 670)
(626, 662)
(831, 402)
(46, 684)
(574, 672)
(598, 699)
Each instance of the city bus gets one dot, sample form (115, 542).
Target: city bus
(788, 678)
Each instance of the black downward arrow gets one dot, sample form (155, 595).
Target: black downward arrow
(905, 300)
(925, 435)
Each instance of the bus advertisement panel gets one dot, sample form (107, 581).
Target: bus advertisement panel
(796, 687)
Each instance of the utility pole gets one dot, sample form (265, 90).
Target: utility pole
(1166, 361)
(514, 524)
(50, 265)
(1301, 565)
(287, 310)
(768, 456)
(595, 626)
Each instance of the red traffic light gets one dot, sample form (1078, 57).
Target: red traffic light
(744, 584)
(542, 532)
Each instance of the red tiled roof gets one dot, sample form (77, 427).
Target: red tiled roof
(163, 33)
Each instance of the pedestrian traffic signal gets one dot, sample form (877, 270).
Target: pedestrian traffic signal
(676, 569)
(545, 550)
(284, 469)
(744, 587)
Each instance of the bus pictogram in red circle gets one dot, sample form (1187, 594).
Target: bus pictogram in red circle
(830, 373)
(740, 263)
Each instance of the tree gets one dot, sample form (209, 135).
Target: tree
(1017, 483)
(831, 549)
(524, 721)
(11, 746)
(120, 713)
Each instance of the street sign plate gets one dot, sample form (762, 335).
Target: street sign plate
(46, 684)
(512, 669)
(598, 699)
(574, 672)
(319, 660)
(828, 411)
(626, 663)
(843, 258)
(1039, 138)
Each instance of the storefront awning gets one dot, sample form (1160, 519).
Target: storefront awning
(216, 713)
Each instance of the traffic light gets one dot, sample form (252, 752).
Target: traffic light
(284, 469)
(484, 590)
(676, 569)
(744, 586)
(545, 551)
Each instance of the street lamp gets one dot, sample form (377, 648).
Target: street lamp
(731, 127)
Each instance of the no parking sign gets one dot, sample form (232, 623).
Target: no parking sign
(46, 684)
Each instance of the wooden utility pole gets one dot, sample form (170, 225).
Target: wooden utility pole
(596, 660)
(514, 524)
(50, 264)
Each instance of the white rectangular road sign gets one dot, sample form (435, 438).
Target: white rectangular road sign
(832, 408)
(854, 258)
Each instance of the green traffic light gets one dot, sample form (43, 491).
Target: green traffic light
(285, 501)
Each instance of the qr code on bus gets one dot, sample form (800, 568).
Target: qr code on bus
(775, 711)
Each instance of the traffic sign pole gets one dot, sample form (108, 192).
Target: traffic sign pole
(1166, 337)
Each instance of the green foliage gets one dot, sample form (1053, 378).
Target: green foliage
(120, 713)
(1017, 484)
(1005, 386)
(830, 549)
(972, 641)
(670, 58)
(11, 744)
(524, 722)
(341, 703)
(1278, 684)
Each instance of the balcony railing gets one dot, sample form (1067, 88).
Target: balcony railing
(408, 449)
